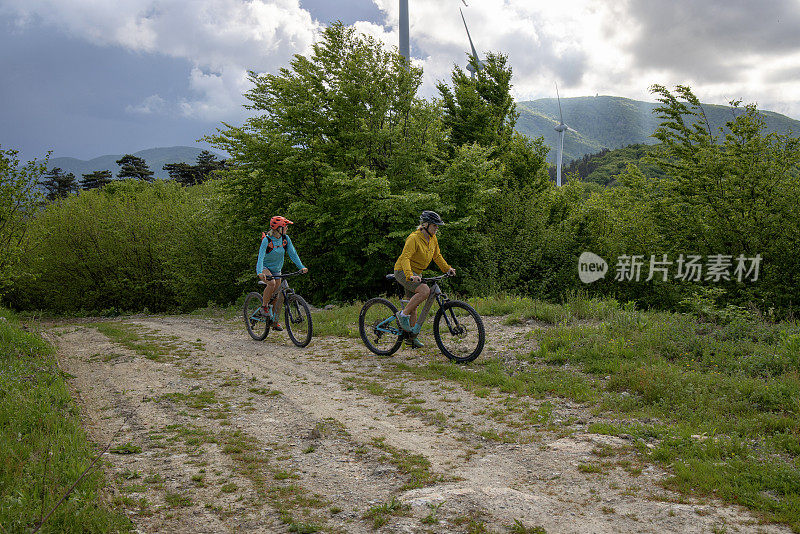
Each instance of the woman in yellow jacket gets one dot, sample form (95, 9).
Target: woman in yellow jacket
(421, 247)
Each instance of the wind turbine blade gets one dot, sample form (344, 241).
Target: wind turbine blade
(560, 115)
(465, 3)
(474, 53)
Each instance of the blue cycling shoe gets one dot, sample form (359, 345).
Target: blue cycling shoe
(404, 321)
(415, 343)
(274, 315)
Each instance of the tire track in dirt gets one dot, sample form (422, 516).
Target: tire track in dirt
(344, 421)
(117, 393)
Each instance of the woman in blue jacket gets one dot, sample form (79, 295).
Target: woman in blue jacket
(274, 246)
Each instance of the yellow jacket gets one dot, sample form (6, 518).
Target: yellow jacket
(417, 255)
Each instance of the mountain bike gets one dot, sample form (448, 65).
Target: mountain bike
(296, 313)
(457, 327)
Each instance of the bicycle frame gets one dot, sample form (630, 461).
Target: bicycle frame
(283, 289)
(385, 325)
(436, 295)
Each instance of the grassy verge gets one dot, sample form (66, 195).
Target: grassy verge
(43, 449)
(340, 321)
(576, 307)
(725, 398)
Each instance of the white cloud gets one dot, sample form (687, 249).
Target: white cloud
(222, 39)
(222, 94)
(151, 104)
(545, 43)
(723, 48)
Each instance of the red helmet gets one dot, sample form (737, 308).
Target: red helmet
(278, 221)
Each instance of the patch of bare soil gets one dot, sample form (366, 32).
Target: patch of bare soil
(216, 432)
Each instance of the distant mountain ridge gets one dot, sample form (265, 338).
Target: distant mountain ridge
(155, 158)
(613, 122)
(609, 122)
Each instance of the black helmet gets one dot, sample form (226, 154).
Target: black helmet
(428, 216)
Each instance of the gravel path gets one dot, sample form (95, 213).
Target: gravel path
(215, 432)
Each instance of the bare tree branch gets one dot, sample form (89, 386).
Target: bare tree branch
(85, 471)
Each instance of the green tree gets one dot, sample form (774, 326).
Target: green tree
(207, 163)
(524, 165)
(95, 179)
(20, 197)
(58, 183)
(128, 246)
(186, 174)
(480, 109)
(134, 167)
(108, 248)
(480, 114)
(183, 173)
(732, 191)
(603, 167)
(339, 122)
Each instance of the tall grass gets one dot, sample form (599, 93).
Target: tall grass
(576, 306)
(724, 395)
(43, 449)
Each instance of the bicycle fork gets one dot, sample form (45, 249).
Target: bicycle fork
(458, 328)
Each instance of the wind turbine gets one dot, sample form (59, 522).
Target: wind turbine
(561, 128)
(480, 63)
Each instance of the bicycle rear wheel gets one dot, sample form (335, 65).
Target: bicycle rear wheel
(378, 327)
(298, 321)
(458, 330)
(256, 322)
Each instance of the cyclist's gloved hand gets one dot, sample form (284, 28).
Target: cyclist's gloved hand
(451, 272)
(415, 278)
(304, 270)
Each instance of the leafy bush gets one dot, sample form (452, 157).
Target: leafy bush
(127, 246)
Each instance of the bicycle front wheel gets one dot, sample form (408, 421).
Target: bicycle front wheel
(256, 322)
(298, 321)
(378, 327)
(458, 330)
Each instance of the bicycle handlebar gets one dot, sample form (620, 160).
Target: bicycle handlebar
(436, 278)
(390, 276)
(287, 275)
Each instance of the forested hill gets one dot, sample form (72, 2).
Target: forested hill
(155, 158)
(612, 122)
(601, 122)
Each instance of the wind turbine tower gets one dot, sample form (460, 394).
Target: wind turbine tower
(405, 49)
(561, 128)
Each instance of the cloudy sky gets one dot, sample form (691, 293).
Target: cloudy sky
(85, 78)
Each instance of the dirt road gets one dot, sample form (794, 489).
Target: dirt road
(215, 432)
